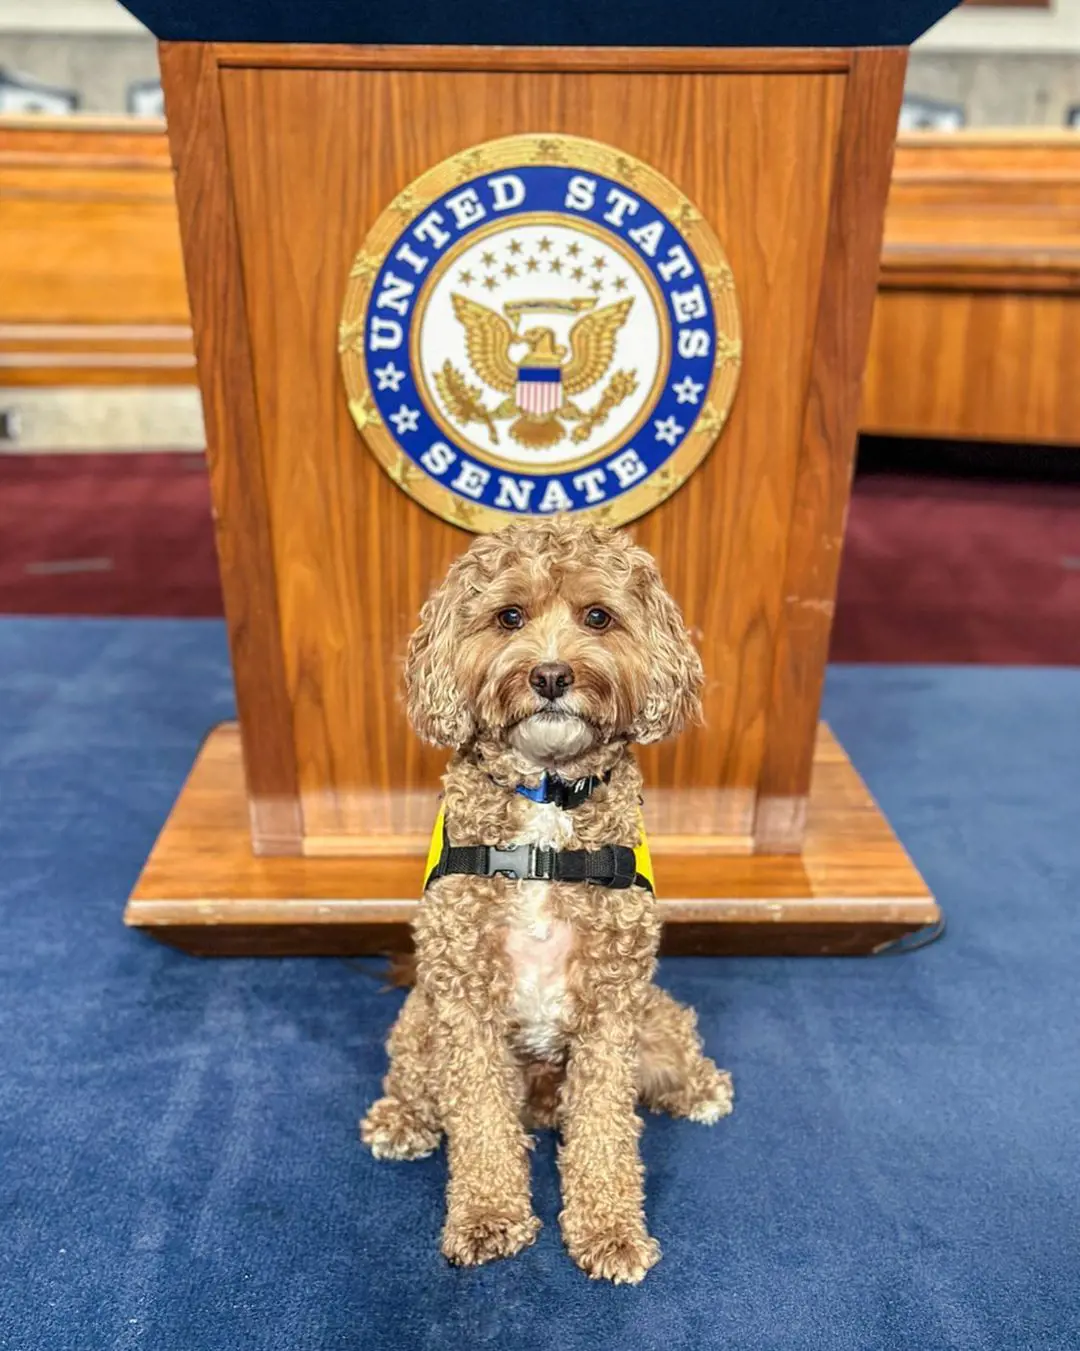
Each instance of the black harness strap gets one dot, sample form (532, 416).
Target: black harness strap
(615, 865)
(612, 866)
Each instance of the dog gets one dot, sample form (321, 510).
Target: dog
(549, 649)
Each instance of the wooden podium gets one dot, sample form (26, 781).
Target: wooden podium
(303, 830)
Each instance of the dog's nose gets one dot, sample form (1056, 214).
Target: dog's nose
(551, 679)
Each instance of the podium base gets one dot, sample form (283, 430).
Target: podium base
(852, 890)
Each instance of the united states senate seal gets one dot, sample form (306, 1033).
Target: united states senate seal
(540, 325)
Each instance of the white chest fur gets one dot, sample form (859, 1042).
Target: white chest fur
(539, 946)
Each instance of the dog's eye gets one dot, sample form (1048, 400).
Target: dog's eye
(598, 619)
(511, 618)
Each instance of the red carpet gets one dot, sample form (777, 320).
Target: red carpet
(115, 534)
(937, 569)
(960, 570)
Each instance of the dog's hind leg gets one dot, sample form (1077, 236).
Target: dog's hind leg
(405, 1123)
(674, 1074)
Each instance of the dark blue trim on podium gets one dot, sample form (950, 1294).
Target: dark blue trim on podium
(547, 23)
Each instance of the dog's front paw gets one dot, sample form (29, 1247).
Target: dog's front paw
(391, 1131)
(713, 1098)
(622, 1253)
(483, 1233)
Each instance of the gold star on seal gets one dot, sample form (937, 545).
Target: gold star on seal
(719, 279)
(545, 245)
(488, 259)
(351, 335)
(469, 164)
(709, 420)
(406, 203)
(531, 264)
(466, 278)
(548, 152)
(573, 250)
(403, 471)
(599, 263)
(596, 286)
(727, 349)
(509, 271)
(364, 415)
(626, 169)
(665, 482)
(578, 274)
(364, 266)
(619, 283)
(555, 266)
(491, 283)
(515, 247)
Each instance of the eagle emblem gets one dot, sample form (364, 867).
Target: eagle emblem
(539, 383)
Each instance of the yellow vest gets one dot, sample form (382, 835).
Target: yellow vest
(642, 857)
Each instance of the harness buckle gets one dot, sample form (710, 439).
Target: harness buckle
(514, 862)
(522, 863)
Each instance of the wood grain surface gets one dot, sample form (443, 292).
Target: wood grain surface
(977, 321)
(91, 284)
(830, 425)
(993, 366)
(234, 452)
(95, 354)
(348, 601)
(981, 211)
(322, 56)
(853, 888)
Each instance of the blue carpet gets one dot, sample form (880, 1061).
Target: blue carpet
(179, 1159)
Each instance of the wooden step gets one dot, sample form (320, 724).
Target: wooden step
(852, 890)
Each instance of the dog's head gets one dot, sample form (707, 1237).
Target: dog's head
(552, 637)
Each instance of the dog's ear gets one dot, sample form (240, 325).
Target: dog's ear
(673, 697)
(437, 709)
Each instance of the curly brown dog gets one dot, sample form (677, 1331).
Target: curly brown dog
(548, 650)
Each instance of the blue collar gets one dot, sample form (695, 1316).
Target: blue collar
(567, 795)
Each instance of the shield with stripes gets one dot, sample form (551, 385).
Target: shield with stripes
(539, 389)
